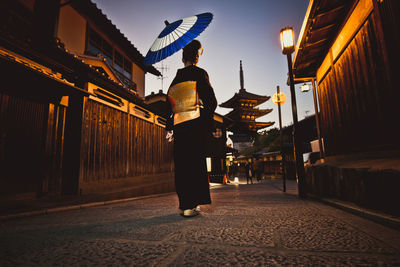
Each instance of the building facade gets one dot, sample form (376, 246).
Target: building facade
(350, 47)
(73, 119)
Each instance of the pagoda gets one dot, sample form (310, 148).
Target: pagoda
(244, 114)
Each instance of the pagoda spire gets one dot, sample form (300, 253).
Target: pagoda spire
(241, 77)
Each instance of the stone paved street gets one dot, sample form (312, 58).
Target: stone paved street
(247, 225)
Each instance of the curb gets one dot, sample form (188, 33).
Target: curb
(77, 207)
(386, 220)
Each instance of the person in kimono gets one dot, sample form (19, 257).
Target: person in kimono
(191, 104)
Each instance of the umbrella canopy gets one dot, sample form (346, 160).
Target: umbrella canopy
(177, 35)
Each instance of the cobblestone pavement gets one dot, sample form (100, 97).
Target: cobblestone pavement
(247, 225)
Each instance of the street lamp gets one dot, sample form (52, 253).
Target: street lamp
(287, 43)
(287, 40)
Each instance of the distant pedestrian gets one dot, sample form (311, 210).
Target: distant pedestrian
(249, 172)
(191, 104)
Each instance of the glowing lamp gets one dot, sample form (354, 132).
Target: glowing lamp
(279, 98)
(287, 40)
(305, 87)
(208, 163)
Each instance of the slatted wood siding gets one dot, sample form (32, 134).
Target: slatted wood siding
(354, 97)
(31, 141)
(116, 144)
(54, 149)
(149, 151)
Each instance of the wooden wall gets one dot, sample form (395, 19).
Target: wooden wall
(31, 143)
(356, 99)
(116, 145)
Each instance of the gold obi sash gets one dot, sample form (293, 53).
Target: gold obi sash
(184, 101)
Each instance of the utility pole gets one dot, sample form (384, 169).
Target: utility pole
(162, 69)
(281, 139)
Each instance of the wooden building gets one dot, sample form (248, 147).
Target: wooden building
(73, 119)
(244, 115)
(350, 47)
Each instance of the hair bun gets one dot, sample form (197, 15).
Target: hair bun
(190, 51)
(193, 45)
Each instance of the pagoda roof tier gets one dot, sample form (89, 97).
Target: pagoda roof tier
(246, 127)
(237, 113)
(234, 102)
(260, 125)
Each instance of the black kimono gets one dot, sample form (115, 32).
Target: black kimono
(191, 104)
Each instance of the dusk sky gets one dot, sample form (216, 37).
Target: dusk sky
(241, 30)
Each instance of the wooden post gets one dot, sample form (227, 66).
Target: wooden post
(321, 148)
(72, 146)
(298, 153)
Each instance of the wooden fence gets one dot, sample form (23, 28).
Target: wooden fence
(116, 144)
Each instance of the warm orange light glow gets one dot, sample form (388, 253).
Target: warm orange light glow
(279, 99)
(287, 40)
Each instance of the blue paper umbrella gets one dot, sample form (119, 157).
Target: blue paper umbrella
(176, 35)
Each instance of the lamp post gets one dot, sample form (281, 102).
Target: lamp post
(287, 43)
(279, 99)
(321, 147)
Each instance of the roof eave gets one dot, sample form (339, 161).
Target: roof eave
(322, 23)
(304, 26)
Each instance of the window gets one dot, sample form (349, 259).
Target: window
(127, 68)
(118, 61)
(108, 52)
(123, 66)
